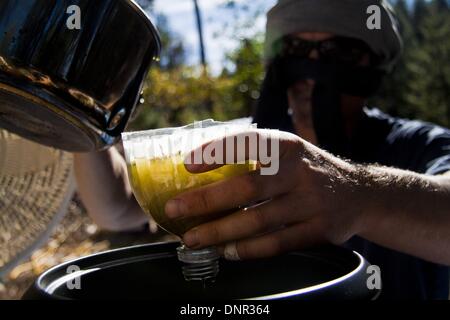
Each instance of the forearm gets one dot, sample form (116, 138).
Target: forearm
(105, 191)
(408, 212)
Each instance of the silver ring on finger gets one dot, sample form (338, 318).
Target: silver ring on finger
(230, 252)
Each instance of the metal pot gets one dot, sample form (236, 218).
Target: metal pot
(73, 89)
(153, 272)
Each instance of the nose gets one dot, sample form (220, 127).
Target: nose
(314, 55)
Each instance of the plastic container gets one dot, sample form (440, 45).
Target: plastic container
(156, 169)
(157, 172)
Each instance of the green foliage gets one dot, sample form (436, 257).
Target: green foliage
(183, 95)
(429, 86)
(176, 96)
(247, 76)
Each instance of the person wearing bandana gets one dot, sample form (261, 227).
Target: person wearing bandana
(351, 175)
(316, 86)
(348, 174)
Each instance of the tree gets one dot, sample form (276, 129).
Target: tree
(419, 86)
(442, 4)
(391, 96)
(198, 17)
(429, 86)
(245, 72)
(420, 10)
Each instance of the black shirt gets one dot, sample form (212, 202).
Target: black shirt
(411, 145)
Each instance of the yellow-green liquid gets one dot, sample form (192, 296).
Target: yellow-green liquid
(156, 181)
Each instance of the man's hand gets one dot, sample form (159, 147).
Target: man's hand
(316, 198)
(313, 199)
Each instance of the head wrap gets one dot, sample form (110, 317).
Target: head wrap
(346, 18)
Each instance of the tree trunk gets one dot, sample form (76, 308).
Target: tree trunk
(200, 33)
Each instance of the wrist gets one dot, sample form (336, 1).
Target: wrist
(363, 196)
(391, 195)
(374, 196)
(352, 194)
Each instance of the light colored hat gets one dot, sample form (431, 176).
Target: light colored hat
(346, 18)
(36, 186)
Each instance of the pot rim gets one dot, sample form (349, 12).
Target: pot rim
(48, 282)
(137, 8)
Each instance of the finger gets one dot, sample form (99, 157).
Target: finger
(295, 237)
(230, 194)
(243, 224)
(258, 145)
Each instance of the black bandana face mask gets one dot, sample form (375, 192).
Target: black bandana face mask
(331, 81)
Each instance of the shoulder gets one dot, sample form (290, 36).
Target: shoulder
(407, 130)
(413, 144)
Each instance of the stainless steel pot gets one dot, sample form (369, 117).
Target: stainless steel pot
(73, 89)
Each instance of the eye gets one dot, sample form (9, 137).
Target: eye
(301, 47)
(297, 47)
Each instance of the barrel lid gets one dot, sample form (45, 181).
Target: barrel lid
(153, 272)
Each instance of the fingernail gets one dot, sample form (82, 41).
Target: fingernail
(191, 239)
(175, 208)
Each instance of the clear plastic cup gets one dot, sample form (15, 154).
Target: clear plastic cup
(156, 169)
(155, 160)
